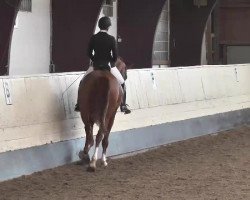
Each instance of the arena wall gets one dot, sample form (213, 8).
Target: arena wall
(40, 130)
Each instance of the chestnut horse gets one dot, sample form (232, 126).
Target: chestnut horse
(99, 95)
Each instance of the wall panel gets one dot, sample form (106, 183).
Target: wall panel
(187, 25)
(137, 21)
(8, 11)
(73, 24)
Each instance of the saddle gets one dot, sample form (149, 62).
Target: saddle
(102, 67)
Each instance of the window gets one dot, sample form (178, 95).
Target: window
(108, 8)
(161, 41)
(25, 6)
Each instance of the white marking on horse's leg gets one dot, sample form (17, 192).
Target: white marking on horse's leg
(104, 160)
(95, 153)
(94, 158)
(89, 147)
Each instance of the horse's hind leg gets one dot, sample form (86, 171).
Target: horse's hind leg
(105, 141)
(99, 137)
(84, 155)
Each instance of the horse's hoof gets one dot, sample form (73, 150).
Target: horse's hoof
(81, 155)
(105, 164)
(92, 166)
(84, 158)
(91, 169)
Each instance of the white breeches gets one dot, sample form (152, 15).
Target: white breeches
(113, 71)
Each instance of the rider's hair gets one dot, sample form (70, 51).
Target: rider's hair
(104, 23)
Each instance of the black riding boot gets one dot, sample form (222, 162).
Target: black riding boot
(123, 105)
(77, 109)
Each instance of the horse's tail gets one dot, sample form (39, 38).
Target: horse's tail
(103, 100)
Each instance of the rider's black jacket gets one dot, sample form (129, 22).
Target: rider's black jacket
(102, 50)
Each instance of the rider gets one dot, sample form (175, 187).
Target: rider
(105, 54)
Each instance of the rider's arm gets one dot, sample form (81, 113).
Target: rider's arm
(90, 48)
(114, 50)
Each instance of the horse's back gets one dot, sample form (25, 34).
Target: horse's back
(99, 96)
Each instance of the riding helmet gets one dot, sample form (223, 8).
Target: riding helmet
(104, 23)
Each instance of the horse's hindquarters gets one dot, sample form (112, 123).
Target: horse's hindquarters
(99, 95)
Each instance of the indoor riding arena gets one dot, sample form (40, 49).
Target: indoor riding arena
(209, 167)
(188, 134)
